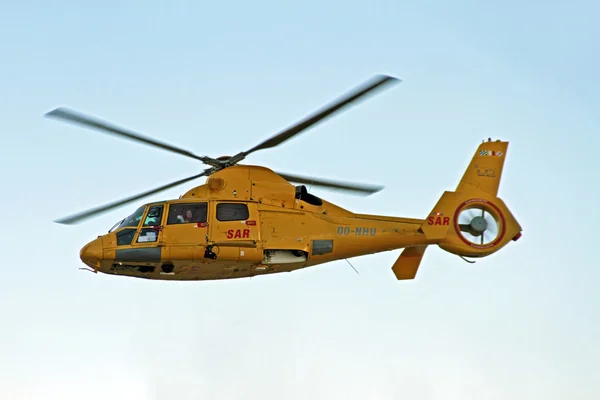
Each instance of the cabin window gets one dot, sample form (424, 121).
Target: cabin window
(232, 212)
(125, 237)
(187, 213)
(154, 216)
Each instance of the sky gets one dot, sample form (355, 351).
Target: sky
(218, 78)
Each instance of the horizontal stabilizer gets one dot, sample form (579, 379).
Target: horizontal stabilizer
(408, 262)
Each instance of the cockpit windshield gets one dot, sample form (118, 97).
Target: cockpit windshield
(115, 226)
(133, 220)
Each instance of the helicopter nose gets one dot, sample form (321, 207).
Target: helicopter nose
(91, 253)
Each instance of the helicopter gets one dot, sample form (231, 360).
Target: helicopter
(248, 220)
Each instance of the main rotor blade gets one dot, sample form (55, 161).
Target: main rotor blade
(352, 187)
(377, 82)
(90, 122)
(76, 218)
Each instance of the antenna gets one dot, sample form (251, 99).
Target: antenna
(351, 265)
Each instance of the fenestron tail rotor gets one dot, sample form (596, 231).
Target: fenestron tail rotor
(478, 226)
(219, 163)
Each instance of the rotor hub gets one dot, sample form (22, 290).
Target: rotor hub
(479, 224)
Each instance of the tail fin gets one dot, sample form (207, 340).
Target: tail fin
(485, 169)
(472, 221)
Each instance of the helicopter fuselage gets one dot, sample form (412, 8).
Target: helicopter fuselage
(244, 221)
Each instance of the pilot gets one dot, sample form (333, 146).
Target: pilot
(186, 217)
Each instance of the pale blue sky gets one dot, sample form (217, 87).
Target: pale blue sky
(522, 324)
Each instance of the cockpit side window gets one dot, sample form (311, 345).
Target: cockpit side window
(187, 213)
(154, 216)
(149, 232)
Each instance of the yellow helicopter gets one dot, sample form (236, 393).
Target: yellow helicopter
(249, 220)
